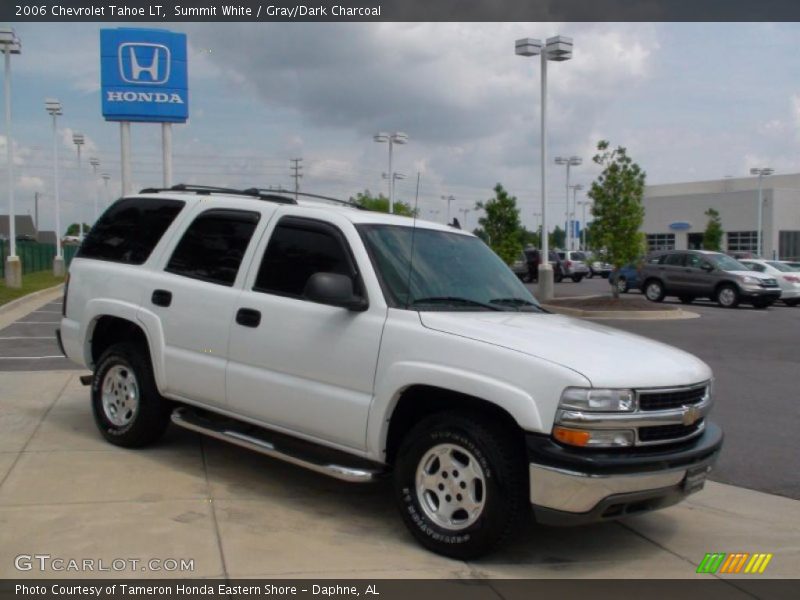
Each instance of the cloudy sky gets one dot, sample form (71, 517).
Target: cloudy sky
(689, 101)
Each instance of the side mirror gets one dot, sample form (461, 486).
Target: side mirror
(334, 289)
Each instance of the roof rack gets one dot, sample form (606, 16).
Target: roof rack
(209, 189)
(349, 203)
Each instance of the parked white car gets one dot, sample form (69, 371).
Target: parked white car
(787, 276)
(362, 345)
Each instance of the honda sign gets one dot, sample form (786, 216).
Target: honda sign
(144, 75)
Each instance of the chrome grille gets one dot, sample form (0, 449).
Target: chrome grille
(769, 282)
(668, 433)
(664, 400)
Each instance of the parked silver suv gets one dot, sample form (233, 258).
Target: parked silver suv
(690, 274)
(574, 264)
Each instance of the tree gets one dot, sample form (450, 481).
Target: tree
(528, 237)
(712, 236)
(501, 224)
(557, 238)
(380, 203)
(618, 212)
(74, 229)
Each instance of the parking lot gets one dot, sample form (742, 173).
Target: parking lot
(64, 491)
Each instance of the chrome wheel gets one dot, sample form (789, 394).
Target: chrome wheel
(120, 395)
(653, 292)
(727, 296)
(451, 487)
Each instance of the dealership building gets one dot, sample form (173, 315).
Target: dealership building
(675, 214)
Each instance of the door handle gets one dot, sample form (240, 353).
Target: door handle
(248, 317)
(161, 298)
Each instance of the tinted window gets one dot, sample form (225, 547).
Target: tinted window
(676, 260)
(656, 259)
(129, 230)
(578, 256)
(695, 261)
(297, 249)
(214, 245)
(756, 267)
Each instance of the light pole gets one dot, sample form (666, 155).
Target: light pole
(761, 173)
(572, 161)
(95, 162)
(10, 44)
(77, 139)
(584, 204)
(558, 48)
(398, 137)
(575, 189)
(449, 199)
(395, 177)
(54, 109)
(105, 177)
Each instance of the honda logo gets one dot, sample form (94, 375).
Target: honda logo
(144, 63)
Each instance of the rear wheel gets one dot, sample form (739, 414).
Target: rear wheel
(461, 484)
(127, 407)
(728, 296)
(654, 290)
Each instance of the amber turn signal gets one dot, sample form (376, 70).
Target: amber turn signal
(573, 437)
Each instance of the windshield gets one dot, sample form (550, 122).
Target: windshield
(783, 268)
(451, 271)
(726, 263)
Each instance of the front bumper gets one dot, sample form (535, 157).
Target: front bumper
(571, 486)
(758, 293)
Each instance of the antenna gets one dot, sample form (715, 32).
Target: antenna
(413, 236)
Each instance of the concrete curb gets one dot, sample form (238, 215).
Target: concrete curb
(640, 315)
(9, 306)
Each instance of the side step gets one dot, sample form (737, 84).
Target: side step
(265, 442)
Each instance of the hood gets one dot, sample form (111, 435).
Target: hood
(607, 357)
(754, 274)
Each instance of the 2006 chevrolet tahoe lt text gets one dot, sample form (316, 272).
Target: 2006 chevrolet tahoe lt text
(356, 343)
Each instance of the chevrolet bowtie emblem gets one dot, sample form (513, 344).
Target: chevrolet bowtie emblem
(690, 415)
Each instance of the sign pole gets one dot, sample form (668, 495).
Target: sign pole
(125, 155)
(166, 152)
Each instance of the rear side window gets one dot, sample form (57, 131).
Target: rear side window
(297, 249)
(213, 246)
(675, 260)
(129, 230)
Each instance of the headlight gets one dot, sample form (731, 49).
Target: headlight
(750, 280)
(598, 400)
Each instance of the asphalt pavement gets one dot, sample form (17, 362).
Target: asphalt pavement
(756, 364)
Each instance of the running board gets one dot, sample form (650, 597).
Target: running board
(222, 430)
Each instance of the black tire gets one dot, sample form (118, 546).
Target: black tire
(686, 299)
(577, 278)
(793, 302)
(728, 296)
(654, 290)
(504, 491)
(558, 276)
(137, 425)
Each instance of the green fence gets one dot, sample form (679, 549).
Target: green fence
(34, 256)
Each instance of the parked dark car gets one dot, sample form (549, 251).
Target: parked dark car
(690, 274)
(627, 278)
(533, 256)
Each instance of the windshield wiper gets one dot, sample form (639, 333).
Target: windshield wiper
(455, 300)
(515, 302)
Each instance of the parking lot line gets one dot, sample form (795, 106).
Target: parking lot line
(30, 357)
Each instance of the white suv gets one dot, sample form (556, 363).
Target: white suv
(360, 344)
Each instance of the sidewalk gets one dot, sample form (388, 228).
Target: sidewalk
(67, 493)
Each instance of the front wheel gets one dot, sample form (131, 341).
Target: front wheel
(654, 291)
(728, 296)
(461, 484)
(127, 407)
(577, 278)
